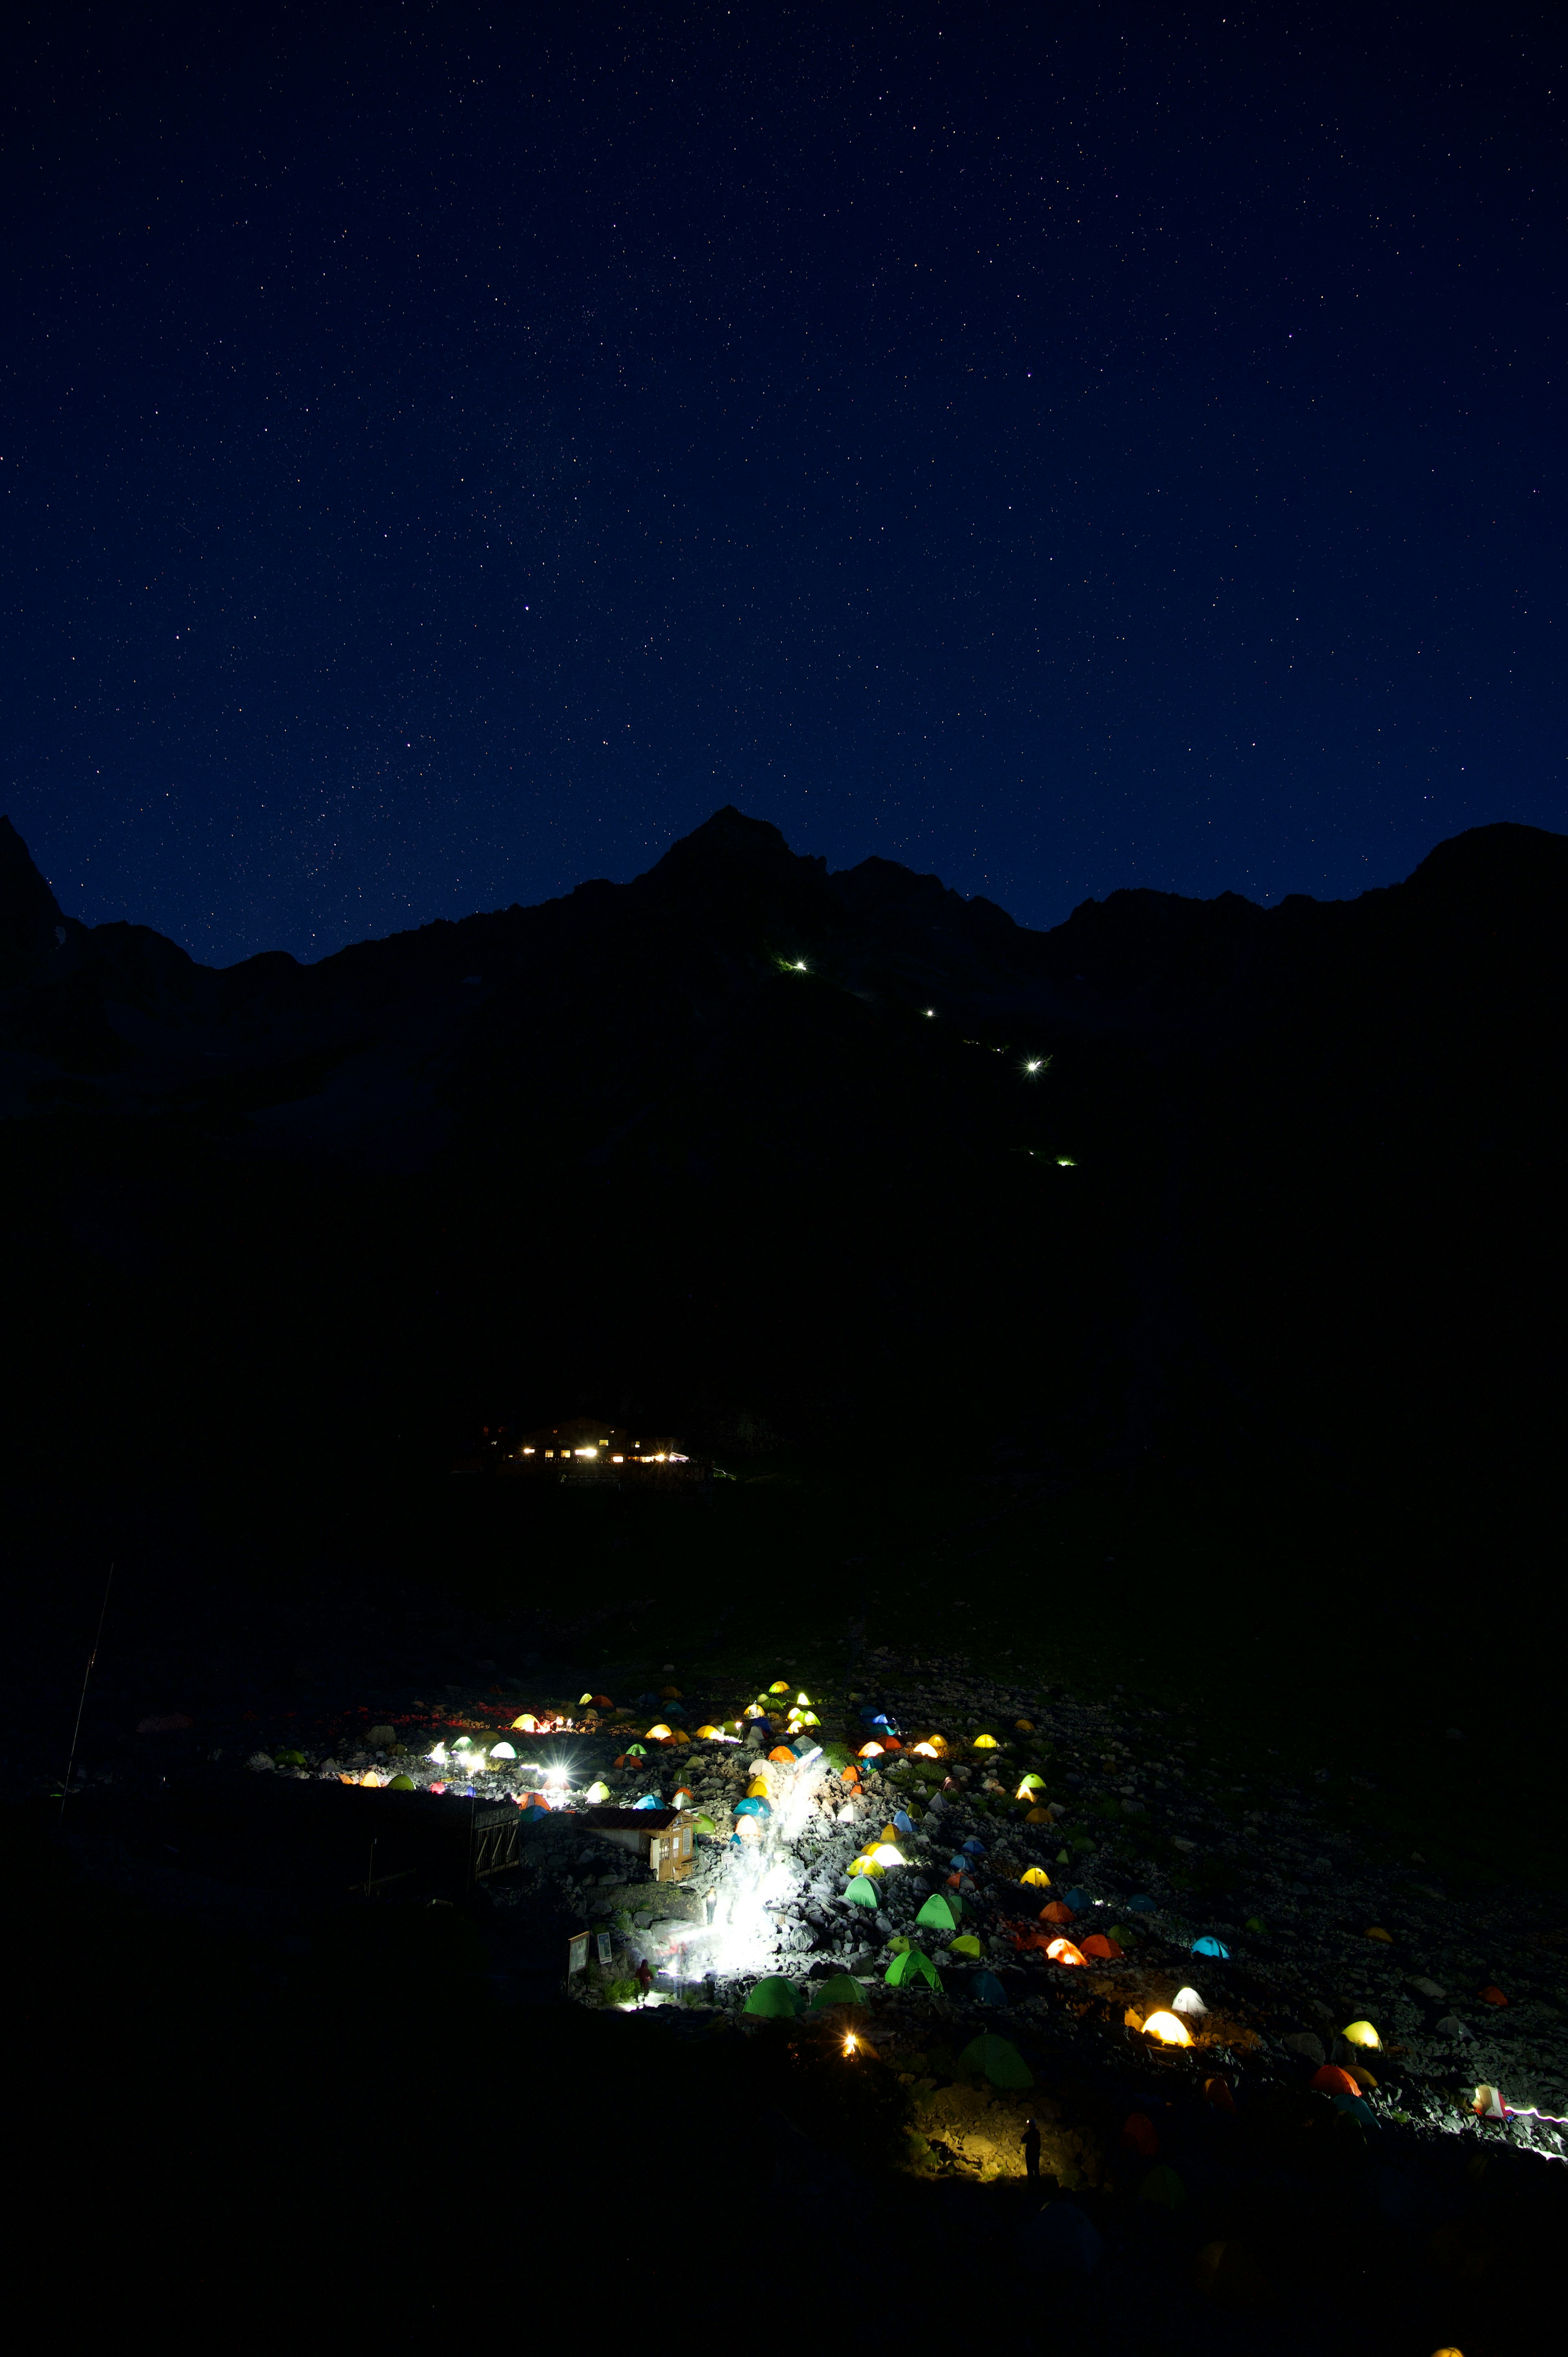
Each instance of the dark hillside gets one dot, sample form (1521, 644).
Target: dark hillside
(1282, 1192)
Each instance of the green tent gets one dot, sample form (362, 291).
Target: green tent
(839, 1990)
(774, 1997)
(862, 1892)
(939, 1914)
(911, 1968)
(966, 1945)
(999, 2059)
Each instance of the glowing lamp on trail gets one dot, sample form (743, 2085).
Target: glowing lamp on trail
(1062, 1952)
(851, 2043)
(1167, 2029)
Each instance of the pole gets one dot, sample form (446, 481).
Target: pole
(81, 1702)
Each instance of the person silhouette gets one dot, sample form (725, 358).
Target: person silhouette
(1031, 2144)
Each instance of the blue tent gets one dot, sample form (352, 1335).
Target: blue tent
(1209, 1946)
(747, 1808)
(1060, 2241)
(1142, 1904)
(1076, 1899)
(975, 1846)
(904, 1821)
(649, 1800)
(988, 1989)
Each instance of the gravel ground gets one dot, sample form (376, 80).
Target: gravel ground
(1144, 1826)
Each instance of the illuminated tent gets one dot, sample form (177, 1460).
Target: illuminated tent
(938, 1913)
(912, 1967)
(1035, 1875)
(1209, 1946)
(775, 1998)
(998, 2058)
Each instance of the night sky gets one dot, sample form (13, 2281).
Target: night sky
(447, 453)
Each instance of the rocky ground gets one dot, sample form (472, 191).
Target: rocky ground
(1316, 1934)
(1208, 2185)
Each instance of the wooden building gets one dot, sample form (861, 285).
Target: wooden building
(659, 1839)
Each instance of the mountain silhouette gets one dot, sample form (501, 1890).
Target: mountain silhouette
(1178, 1182)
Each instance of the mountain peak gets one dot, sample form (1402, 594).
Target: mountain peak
(729, 839)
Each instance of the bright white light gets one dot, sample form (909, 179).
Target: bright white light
(1032, 1066)
(799, 966)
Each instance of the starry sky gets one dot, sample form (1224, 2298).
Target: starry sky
(446, 452)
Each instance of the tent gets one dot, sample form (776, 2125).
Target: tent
(862, 1892)
(998, 2058)
(1060, 2241)
(752, 1806)
(987, 1989)
(966, 1945)
(939, 1914)
(775, 1998)
(839, 1990)
(911, 1968)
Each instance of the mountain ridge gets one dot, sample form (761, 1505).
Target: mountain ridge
(1177, 1183)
